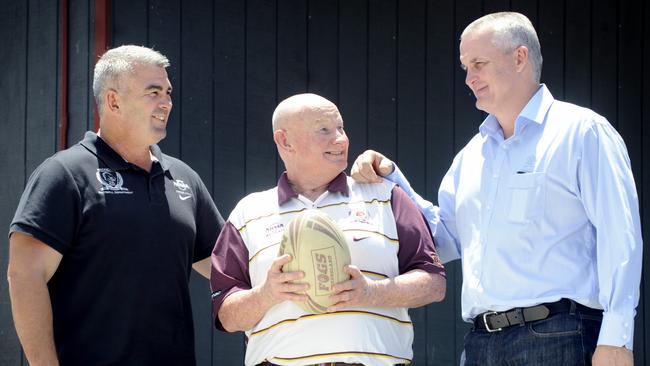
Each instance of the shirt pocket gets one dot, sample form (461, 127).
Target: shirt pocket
(527, 197)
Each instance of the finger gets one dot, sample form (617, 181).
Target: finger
(348, 285)
(385, 167)
(288, 276)
(344, 296)
(280, 261)
(352, 270)
(294, 287)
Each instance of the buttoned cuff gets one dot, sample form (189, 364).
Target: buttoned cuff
(617, 330)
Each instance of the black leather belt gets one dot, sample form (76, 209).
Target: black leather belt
(494, 321)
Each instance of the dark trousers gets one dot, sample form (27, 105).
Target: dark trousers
(564, 339)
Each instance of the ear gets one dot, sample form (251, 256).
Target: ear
(281, 140)
(521, 57)
(112, 100)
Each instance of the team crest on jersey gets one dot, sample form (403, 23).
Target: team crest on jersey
(111, 182)
(358, 215)
(182, 189)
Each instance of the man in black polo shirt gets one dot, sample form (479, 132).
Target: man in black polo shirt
(106, 233)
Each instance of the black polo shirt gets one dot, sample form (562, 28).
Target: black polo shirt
(128, 238)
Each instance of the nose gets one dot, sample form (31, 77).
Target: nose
(470, 78)
(166, 102)
(341, 137)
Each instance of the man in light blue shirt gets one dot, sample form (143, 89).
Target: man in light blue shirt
(542, 209)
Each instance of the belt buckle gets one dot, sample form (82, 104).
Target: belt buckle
(487, 326)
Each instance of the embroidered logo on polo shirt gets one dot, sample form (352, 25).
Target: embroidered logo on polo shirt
(275, 228)
(111, 182)
(183, 189)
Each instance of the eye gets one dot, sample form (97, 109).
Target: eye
(479, 65)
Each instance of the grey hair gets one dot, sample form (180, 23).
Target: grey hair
(511, 30)
(118, 61)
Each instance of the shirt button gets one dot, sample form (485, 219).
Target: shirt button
(475, 272)
(624, 336)
(626, 325)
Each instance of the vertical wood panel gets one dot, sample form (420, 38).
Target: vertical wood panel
(42, 87)
(466, 117)
(603, 59)
(129, 22)
(353, 73)
(196, 139)
(260, 94)
(411, 123)
(292, 77)
(528, 8)
(577, 53)
(443, 343)
(164, 33)
(466, 121)
(322, 48)
(292, 48)
(79, 96)
(13, 30)
(229, 68)
(382, 75)
(550, 31)
(493, 6)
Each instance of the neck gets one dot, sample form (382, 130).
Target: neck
(508, 116)
(310, 190)
(137, 155)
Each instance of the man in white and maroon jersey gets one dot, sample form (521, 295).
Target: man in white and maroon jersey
(394, 262)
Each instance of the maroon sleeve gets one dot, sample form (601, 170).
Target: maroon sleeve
(229, 272)
(416, 247)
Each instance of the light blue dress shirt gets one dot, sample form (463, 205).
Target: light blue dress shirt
(550, 213)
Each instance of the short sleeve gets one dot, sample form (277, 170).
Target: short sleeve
(209, 223)
(416, 246)
(229, 268)
(50, 207)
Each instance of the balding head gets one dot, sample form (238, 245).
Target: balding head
(308, 131)
(301, 107)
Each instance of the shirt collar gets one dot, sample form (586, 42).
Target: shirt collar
(286, 192)
(111, 158)
(534, 111)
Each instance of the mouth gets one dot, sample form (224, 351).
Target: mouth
(480, 90)
(160, 117)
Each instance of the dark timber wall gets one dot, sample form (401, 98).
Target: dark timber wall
(391, 66)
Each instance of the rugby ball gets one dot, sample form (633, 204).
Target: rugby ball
(319, 249)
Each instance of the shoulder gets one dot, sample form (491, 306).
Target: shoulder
(380, 191)
(65, 165)
(254, 205)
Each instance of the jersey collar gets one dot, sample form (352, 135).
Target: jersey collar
(286, 192)
(111, 158)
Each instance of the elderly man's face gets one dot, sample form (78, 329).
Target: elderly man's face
(320, 143)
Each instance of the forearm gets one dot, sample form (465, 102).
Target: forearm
(243, 309)
(32, 313)
(410, 290)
